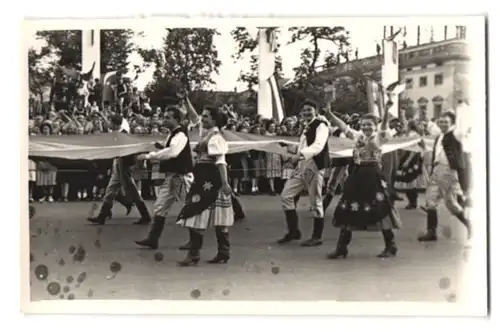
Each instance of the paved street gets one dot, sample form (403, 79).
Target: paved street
(258, 270)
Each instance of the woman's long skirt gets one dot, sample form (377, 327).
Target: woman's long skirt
(412, 176)
(366, 203)
(273, 165)
(206, 205)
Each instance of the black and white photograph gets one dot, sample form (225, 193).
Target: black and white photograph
(283, 161)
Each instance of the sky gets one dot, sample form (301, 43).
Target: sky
(363, 38)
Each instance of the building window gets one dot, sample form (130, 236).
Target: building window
(423, 109)
(438, 79)
(438, 108)
(424, 66)
(423, 81)
(439, 63)
(409, 69)
(409, 83)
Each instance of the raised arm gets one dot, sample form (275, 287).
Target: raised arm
(334, 120)
(192, 115)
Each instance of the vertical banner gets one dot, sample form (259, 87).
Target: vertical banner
(390, 71)
(91, 51)
(372, 95)
(266, 70)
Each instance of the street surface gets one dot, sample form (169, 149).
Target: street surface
(109, 265)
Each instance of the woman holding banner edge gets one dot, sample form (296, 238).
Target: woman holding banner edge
(371, 208)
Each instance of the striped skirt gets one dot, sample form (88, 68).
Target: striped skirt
(206, 205)
(273, 165)
(46, 178)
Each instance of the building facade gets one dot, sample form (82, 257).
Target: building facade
(434, 73)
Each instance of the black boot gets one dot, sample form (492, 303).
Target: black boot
(326, 201)
(104, 213)
(193, 255)
(412, 200)
(128, 206)
(292, 222)
(342, 243)
(315, 240)
(432, 222)
(390, 249)
(154, 233)
(143, 210)
(466, 223)
(222, 247)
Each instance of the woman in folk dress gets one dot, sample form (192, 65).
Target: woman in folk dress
(273, 161)
(366, 203)
(46, 172)
(208, 202)
(411, 176)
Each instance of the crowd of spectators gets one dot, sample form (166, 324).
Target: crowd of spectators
(77, 108)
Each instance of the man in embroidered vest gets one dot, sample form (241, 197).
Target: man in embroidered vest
(121, 177)
(447, 165)
(313, 158)
(176, 162)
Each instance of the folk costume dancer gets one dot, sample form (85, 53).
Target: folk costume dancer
(366, 203)
(313, 158)
(208, 202)
(447, 166)
(196, 120)
(176, 162)
(411, 176)
(121, 177)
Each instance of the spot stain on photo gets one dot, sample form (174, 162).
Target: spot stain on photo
(41, 272)
(447, 232)
(158, 256)
(275, 270)
(80, 254)
(444, 283)
(195, 293)
(81, 277)
(54, 288)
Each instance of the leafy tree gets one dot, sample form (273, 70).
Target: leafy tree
(116, 46)
(246, 43)
(311, 55)
(65, 44)
(188, 57)
(39, 74)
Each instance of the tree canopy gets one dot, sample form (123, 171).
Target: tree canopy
(188, 56)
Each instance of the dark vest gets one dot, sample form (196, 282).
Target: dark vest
(452, 149)
(322, 160)
(183, 163)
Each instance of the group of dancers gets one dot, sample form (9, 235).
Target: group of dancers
(366, 203)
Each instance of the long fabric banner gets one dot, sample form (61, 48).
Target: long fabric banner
(111, 145)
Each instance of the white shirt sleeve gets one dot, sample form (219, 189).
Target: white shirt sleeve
(322, 133)
(218, 147)
(177, 144)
